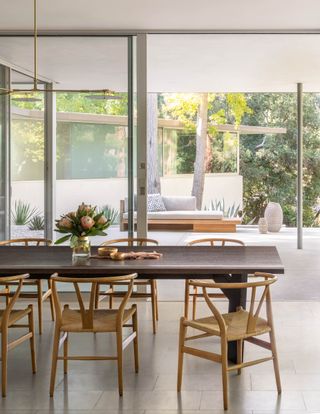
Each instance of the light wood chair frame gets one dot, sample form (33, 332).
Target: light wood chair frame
(152, 283)
(38, 294)
(213, 242)
(249, 335)
(7, 323)
(87, 319)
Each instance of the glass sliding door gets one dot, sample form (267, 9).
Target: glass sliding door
(94, 131)
(27, 160)
(4, 155)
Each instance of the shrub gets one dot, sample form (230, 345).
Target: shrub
(36, 223)
(110, 213)
(22, 213)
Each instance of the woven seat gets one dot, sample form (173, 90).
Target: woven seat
(104, 320)
(237, 326)
(15, 315)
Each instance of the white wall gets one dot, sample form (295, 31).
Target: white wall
(71, 193)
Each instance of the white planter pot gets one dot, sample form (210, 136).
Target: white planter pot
(274, 216)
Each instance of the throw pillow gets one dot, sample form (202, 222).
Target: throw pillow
(155, 203)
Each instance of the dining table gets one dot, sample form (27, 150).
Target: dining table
(231, 264)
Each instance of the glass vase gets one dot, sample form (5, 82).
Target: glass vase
(81, 249)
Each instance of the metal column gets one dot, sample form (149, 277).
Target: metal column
(299, 165)
(142, 121)
(50, 125)
(130, 141)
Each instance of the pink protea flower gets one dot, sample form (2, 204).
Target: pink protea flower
(87, 222)
(84, 207)
(65, 222)
(102, 220)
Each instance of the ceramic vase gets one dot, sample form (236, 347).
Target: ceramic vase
(274, 216)
(263, 225)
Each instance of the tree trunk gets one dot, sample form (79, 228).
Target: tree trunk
(201, 143)
(152, 150)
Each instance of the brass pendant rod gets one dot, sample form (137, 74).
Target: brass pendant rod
(35, 46)
(4, 91)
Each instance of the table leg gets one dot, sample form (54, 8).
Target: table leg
(237, 297)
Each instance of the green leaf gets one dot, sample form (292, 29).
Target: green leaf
(62, 239)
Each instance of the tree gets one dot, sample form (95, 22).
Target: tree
(201, 145)
(154, 185)
(268, 164)
(200, 113)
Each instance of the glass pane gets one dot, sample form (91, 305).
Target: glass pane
(27, 160)
(92, 132)
(3, 161)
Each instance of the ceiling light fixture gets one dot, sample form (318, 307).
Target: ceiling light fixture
(6, 91)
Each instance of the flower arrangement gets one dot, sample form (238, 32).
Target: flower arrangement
(84, 222)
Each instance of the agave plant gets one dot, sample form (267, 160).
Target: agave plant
(22, 213)
(36, 223)
(111, 213)
(219, 205)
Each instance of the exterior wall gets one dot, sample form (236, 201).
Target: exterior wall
(110, 191)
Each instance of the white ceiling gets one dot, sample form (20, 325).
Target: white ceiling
(177, 63)
(162, 14)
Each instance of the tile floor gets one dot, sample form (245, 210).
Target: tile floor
(91, 387)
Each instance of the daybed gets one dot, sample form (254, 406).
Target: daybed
(180, 213)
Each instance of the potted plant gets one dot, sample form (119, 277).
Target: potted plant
(79, 225)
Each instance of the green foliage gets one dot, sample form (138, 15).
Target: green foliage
(270, 170)
(22, 213)
(111, 213)
(36, 223)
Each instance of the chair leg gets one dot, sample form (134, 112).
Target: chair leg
(7, 296)
(182, 334)
(239, 353)
(135, 341)
(194, 306)
(55, 352)
(32, 340)
(186, 299)
(51, 299)
(39, 293)
(224, 366)
(157, 307)
(4, 359)
(65, 354)
(96, 299)
(119, 356)
(153, 304)
(111, 297)
(275, 360)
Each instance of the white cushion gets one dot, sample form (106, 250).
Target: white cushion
(177, 203)
(183, 215)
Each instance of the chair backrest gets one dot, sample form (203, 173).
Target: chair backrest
(260, 294)
(29, 241)
(9, 279)
(216, 242)
(131, 241)
(87, 314)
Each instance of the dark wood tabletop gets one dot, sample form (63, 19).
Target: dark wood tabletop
(178, 262)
